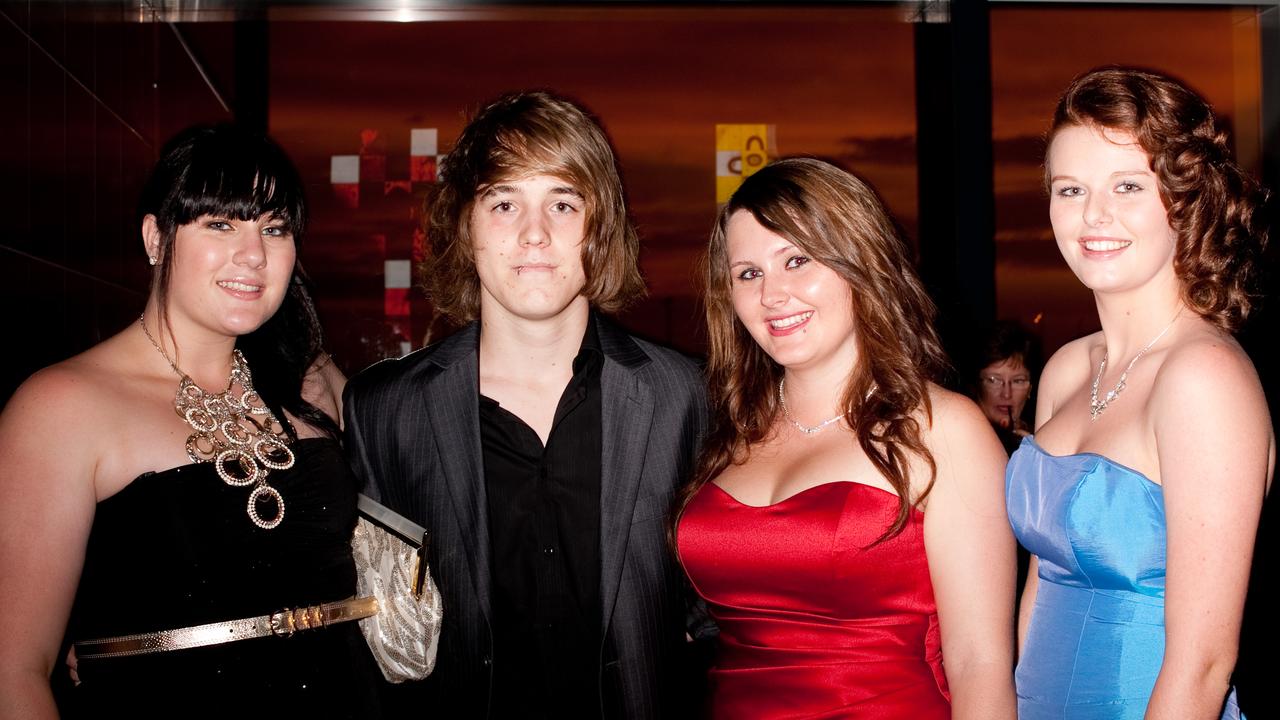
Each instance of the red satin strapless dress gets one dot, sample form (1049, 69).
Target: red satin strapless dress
(813, 623)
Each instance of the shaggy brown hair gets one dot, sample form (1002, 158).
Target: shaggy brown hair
(518, 135)
(838, 221)
(1214, 206)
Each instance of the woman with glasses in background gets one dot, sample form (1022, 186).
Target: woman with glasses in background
(1008, 363)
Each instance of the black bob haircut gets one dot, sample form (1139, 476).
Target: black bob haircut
(229, 171)
(223, 170)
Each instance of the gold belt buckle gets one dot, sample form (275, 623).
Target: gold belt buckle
(286, 622)
(282, 624)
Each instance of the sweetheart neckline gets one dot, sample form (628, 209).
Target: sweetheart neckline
(795, 495)
(1031, 440)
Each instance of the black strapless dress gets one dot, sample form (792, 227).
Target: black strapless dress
(175, 549)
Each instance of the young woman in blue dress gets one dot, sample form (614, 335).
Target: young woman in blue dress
(1140, 493)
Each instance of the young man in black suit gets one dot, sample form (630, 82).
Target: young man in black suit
(541, 444)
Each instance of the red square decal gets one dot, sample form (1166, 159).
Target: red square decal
(422, 168)
(396, 303)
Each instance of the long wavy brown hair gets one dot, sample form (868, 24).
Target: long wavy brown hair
(840, 222)
(1214, 206)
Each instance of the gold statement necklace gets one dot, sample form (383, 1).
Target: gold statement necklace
(235, 431)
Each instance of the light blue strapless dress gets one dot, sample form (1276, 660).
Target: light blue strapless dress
(1096, 638)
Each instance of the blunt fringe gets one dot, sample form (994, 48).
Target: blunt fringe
(229, 171)
(1215, 208)
(839, 221)
(518, 135)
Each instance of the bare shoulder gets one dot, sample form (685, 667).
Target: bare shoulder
(1207, 360)
(74, 400)
(959, 434)
(1209, 415)
(62, 407)
(968, 457)
(953, 414)
(61, 393)
(1206, 379)
(1071, 364)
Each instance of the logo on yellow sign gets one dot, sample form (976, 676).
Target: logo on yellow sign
(741, 150)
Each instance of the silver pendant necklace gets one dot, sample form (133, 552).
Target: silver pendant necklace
(1099, 405)
(806, 429)
(244, 449)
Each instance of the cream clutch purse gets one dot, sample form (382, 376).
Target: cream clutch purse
(391, 565)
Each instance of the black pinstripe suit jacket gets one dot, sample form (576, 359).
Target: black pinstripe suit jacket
(413, 435)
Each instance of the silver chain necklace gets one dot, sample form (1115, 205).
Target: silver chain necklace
(243, 449)
(806, 429)
(1098, 406)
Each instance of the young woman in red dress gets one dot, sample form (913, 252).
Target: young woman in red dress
(846, 525)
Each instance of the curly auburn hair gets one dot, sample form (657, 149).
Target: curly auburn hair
(1214, 206)
(518, 135)
(839, 222)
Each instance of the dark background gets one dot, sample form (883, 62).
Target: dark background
(944, 114)
(941, 106)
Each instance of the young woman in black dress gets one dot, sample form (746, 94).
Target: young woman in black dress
(173, 501)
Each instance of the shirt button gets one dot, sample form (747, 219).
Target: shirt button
(548, 551)
(485, 661)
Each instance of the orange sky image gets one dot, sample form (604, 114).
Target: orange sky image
(837, 82)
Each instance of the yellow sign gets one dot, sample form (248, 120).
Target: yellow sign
(741, 150)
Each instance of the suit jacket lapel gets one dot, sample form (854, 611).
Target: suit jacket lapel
(626, 413)
(452, 399)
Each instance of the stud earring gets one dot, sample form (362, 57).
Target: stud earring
(151, 259)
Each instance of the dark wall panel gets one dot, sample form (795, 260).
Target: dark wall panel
(90, 93)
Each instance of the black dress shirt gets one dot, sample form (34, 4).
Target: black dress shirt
(544, 527)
